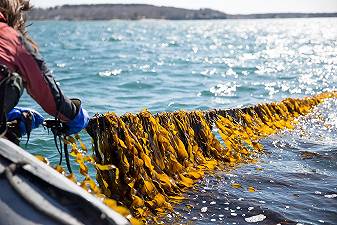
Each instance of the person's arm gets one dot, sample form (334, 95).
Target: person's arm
(40, 83)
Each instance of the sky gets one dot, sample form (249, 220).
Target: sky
(228, 6)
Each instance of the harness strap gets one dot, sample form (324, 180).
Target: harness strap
(11, 89)
(3, 114)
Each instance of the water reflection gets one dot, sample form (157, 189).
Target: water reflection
(294, 182)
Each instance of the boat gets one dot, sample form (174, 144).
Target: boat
(32, 192)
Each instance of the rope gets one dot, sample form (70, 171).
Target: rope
(148, 161)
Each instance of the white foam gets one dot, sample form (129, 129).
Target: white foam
(204, 209)
(331, 196)
(255, 219)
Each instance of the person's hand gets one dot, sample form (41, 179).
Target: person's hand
(80, 121)
(27, 119)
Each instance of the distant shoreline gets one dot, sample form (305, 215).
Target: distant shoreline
(143, 11)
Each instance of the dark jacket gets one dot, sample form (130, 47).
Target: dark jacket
(19, 56)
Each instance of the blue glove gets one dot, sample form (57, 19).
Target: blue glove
(80, 122)
(29, 119)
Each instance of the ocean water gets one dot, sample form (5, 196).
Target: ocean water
(127, 66)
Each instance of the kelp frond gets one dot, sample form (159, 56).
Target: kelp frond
(146, 162)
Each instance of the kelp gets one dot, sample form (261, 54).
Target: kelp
(145, 162)
(83, 159)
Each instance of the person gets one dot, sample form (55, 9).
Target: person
(22, 67)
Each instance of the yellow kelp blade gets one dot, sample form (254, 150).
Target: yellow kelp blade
(146, 162)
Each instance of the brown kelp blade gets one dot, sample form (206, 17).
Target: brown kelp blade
(146, 161)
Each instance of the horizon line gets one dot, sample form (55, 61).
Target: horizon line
(255, 13)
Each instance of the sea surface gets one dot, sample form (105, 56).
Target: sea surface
(127, 66)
